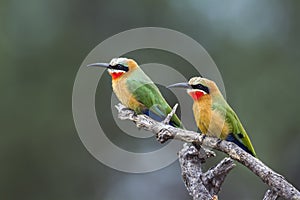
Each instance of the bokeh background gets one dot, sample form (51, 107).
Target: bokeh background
(255, 45)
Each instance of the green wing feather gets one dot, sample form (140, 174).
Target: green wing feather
(147, 93)
(235, 126)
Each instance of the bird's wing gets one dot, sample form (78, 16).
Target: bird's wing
(149, 95)
(237, 134)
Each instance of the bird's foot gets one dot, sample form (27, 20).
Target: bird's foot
(219, 141)
(164, 135)
(202, 137)
(125, 113)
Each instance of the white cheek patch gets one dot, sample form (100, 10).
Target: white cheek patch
(194, 90)
(115, 71)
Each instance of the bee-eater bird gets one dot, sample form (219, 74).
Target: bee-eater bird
(136, 91)
(213, 115)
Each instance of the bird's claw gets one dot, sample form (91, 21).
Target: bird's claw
(202, 137)
(219, 141)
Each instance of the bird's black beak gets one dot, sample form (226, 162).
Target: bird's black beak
(180, 85)
(106, 65)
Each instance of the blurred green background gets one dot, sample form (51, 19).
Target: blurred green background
(255, 45)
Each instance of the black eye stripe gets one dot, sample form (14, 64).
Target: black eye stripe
(201, 87)
(120, 67)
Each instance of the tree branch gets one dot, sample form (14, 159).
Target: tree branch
(202, 185)
(170, 115)
(278, 184)
(191, 171)
(215, 176)
(270, 195)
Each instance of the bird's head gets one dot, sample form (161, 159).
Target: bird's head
(198, 87)
(118, 66)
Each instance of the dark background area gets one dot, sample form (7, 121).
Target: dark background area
(255, 45)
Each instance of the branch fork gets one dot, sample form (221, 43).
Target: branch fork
(207, 185)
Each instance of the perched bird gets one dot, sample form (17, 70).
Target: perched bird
(213, 115)
(136, 91)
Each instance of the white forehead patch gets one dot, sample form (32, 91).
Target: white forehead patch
(195, 80)
(116, 61)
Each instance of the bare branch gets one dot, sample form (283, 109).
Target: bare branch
(270, 195)
(215, 176)
(169, 116)
(191, 172)
(277, 183)
(202, 185)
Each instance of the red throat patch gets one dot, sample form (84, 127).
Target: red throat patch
(196, 95)
(116, 75)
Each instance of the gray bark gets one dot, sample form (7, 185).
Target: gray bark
(270, 195)
(202, 185)
(279, 186)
